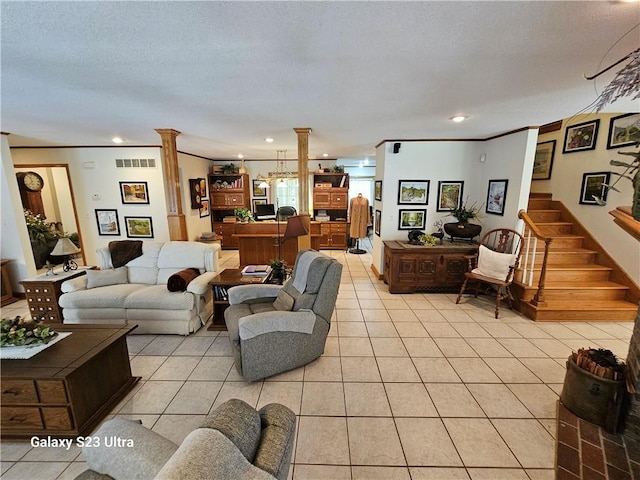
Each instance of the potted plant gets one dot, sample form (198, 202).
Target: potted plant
(229, 168)
(42, 237)
(462, 228)
(243, 214)
(279, 270)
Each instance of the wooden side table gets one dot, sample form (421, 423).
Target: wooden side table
(230, 277)
(42, 293)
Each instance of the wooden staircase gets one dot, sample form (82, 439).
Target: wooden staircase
(581, 281)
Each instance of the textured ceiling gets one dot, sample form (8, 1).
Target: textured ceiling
(228, 74)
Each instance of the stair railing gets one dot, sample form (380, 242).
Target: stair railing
(532, 235)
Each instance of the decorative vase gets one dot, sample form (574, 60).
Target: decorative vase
(462, 230)
(242, 169)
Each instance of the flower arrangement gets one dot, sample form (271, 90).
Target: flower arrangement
(39, 231)
(464, 213)
(19, 331)
(427, 239)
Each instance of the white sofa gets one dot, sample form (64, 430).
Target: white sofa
(139, 294)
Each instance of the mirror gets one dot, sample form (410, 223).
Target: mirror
(57, 208)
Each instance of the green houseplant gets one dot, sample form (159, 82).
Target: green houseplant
(243, 214)
(42, 237)
(462, 228)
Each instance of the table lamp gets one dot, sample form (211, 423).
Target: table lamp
(66, 248)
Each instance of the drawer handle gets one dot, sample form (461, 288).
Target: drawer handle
(18, 419)
(10, 392)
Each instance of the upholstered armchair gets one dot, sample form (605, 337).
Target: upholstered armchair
(275, 328)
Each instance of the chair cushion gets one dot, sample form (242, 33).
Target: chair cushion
(102, 278)
(284, 301)
(493, 264)
(240, 423)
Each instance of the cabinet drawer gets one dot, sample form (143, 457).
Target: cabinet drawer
(57, 418)
(339, 200)
(52, 391)
(38, 289)
(18, 391)
(339, 228)
(21, 417)
(235, 199)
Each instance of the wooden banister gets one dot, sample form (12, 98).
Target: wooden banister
(530, 257)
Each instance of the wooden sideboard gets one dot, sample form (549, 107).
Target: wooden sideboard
(441, 268)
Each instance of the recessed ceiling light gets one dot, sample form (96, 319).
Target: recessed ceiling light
(268, 140)
(459, 118)
(325, 155)
(117, 140)
(240, 156)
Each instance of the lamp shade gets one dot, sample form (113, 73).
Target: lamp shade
(64, 247)
(295, 227)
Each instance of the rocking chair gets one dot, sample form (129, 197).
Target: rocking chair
(495, 264)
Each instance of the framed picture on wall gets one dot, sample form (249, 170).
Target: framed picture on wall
(624, 130)
(139, 227)
(376, 222)
(203, 187)
(257, 191)
(543, 161)
(413, 192)
(204, 207)
(108, 223)
(195, 192)
(593, 188)
(449, 195)
(581, 137)
(134, 192)
(378, 190)
(496, 196)
(412, 219)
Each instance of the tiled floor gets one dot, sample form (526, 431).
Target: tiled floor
(409, 387)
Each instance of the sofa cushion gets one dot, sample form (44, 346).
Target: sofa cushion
(178, 281)
(276, 443)
(182, 255)
(156, 297)
(239, 422)
(144, 460)
(112, 296)
(103, 278)
(144, 269)
(284, 301)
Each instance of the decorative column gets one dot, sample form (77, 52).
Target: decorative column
(303, 168)
(173, 192)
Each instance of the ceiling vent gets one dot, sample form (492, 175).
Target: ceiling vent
(135, 163)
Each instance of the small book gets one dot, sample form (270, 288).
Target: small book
(256, 270)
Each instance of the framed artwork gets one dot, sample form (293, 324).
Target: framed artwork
(195, 192)
(376, 223)
(108, 223)
(412, 219)
(203, 187)
(624, 130)
(204, 207)
(134, 192)
(593, 185)
(496, 196)
(378, 190)
(581, 137)
(449, 195)
(413, 192)
(257, 191)
(258, 201)
(543, 161)
(139, 227)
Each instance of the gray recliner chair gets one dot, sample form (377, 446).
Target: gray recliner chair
(275, 328)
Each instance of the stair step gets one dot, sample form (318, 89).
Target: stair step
(590, 311)
(539, 203)
(571, 255)
(544, 215)
(563, 272)
(551, 229)
(562, 241)
(582, 291)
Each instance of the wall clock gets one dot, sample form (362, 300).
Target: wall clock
(30, 185)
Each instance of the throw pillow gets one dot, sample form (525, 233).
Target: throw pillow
(102, 278)
(493, 264)
(283, 302)
(178, 281)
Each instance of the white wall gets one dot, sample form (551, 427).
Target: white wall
(509, 157)
(566, 182)
(101, 180)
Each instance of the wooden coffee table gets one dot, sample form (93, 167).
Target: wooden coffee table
(67, 389)
(230, 277)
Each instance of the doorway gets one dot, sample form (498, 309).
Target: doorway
(56, 204)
